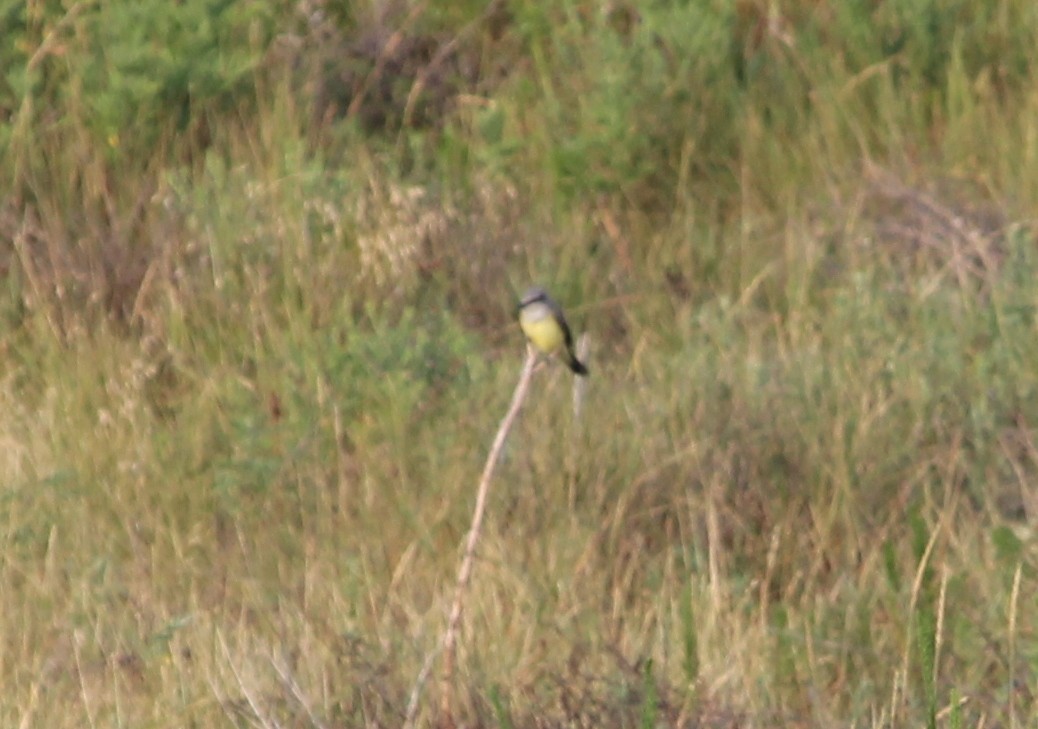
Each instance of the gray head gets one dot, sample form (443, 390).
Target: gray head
(533, 294)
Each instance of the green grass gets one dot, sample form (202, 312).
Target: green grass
(255, 343)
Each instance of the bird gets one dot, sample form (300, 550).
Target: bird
(544, 325)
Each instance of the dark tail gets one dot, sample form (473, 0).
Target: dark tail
(576, 365)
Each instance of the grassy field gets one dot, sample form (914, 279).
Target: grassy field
(258, 271)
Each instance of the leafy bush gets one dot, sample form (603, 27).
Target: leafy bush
(129, 71)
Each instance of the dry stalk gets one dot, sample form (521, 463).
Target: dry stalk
(450, 636)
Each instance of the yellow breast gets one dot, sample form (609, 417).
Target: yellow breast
(541, 329)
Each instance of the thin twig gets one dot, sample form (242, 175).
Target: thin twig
(250, 697)
(442, 53)
(385, 55)
(450, 636)
(419, 683)
(293, 687)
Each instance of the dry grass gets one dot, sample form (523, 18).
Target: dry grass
(247, 384)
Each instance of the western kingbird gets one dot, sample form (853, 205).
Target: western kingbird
(544, 325)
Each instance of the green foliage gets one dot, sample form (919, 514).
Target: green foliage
(393, 369)
(931, 35)
(152, 62)
(248, 387)
(128, 72)
(925, 619)
(630, 114)
(690, 640)
(501, 714)
(384, 379)
(650, 698)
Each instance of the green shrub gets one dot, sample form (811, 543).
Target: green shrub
(129, 71)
